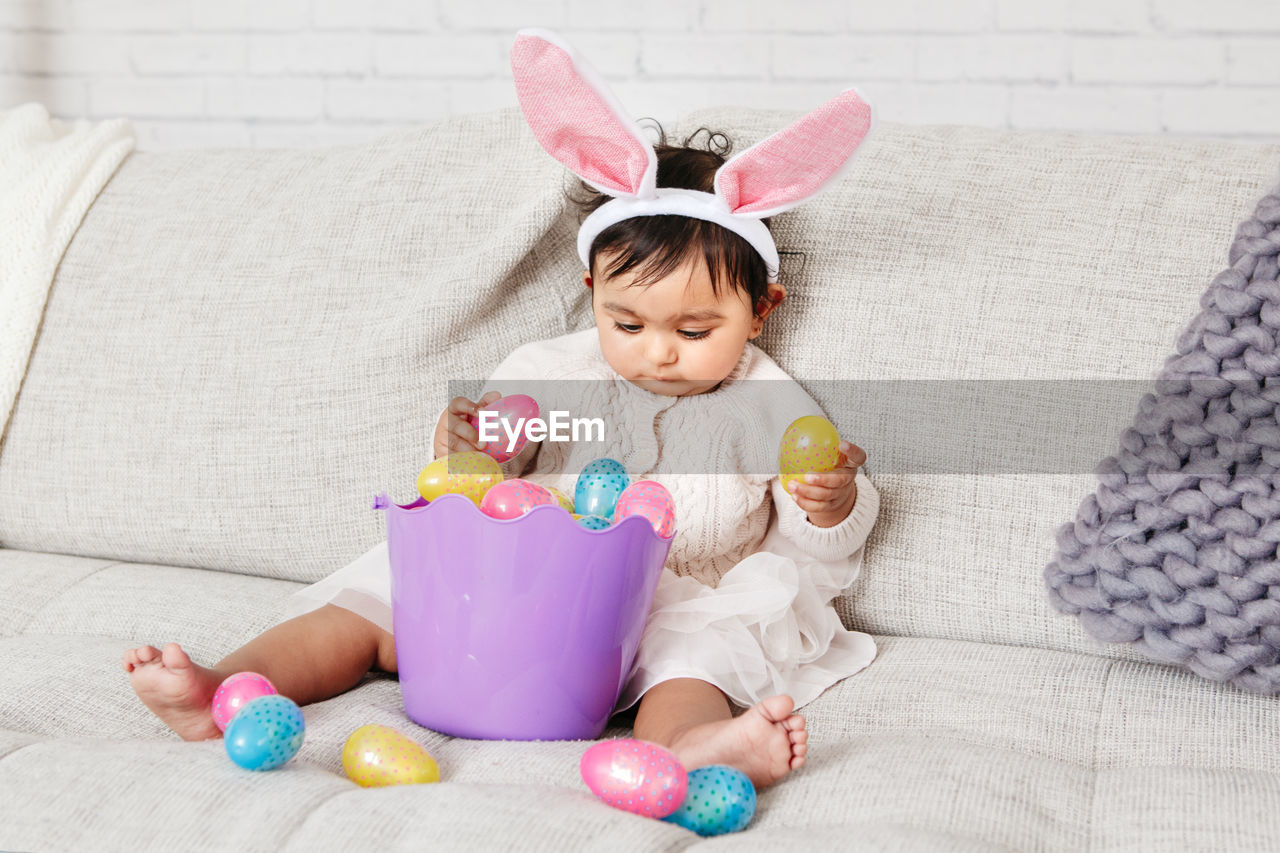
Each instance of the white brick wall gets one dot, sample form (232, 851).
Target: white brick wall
(196, 73)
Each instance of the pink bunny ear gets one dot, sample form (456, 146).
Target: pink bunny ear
(797, 162)
(577, 119)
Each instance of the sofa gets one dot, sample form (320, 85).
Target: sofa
(240, 348)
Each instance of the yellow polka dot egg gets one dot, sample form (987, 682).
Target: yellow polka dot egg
(375, 756)
(811, 443)
(469, 473)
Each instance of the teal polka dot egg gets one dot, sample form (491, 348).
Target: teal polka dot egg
(265, 733)
(599, 486)
(720, 799)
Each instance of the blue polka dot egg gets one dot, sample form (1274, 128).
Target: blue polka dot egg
(599, 486)
(265, 733)
(720, 799)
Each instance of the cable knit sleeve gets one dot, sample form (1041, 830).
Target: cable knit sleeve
(828, 543)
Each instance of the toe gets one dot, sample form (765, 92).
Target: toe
(799, 737)
(794, 723)
(797, 761)
(145, 654)
(175, 658)
(799, 749)
(777, 709)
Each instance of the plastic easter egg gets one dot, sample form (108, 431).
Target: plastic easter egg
(811, 443)
(375, 756)
(509, 411)
(513, 498)
(235, 692)
(594, 522)
(598, 487)
(721, 799)
(469, 473)
(650, 499)
(635, 776)
(564, 500)
(266, 733)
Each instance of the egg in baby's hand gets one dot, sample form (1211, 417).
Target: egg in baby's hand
(811, 443)
(506, 413)
(375, 756)
(636, 776)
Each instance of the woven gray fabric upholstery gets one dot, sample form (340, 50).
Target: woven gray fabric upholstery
(274, 334)
(1176, 552)
(242, 347)
(938, 745)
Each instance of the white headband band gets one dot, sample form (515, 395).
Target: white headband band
(681, 202)
(575, 117)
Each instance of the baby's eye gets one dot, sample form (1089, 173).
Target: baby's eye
(632, 328)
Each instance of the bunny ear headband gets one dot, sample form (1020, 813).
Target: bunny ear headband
(575, 117)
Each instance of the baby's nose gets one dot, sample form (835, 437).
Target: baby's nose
(660, 351)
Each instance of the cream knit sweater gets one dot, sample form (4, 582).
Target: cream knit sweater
(715, 452)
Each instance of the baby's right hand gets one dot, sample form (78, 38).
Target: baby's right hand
(454, 433)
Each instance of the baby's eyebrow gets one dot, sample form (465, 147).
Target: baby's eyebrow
(697, 314)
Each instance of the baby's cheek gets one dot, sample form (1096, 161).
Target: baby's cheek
(715, 362)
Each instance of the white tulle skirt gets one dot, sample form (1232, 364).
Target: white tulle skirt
(768, 628)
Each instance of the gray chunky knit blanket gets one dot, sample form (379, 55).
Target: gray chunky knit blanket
(1177, 550)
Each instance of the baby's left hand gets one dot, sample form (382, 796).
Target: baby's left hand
(828, 496)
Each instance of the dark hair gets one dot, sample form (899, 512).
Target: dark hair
(657, 245)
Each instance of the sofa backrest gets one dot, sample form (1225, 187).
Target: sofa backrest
(981, 311)
(241, 347)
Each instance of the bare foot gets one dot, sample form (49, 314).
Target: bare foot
(175, 689)
(766, 742)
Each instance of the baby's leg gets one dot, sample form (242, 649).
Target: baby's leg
(311, 657)
(693, 719)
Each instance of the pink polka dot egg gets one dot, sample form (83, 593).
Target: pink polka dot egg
(650, 499)
(513, 498)
(636, 776)
(503, 417)
(235, 692)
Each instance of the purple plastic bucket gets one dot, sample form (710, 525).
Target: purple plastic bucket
(516, 629)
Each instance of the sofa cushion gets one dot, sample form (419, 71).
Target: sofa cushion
(65, 623)
(938, 744)
(30, 581)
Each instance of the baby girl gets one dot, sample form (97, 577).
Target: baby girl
(683, 272)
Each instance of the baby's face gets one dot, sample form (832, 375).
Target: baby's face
(673, 337)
